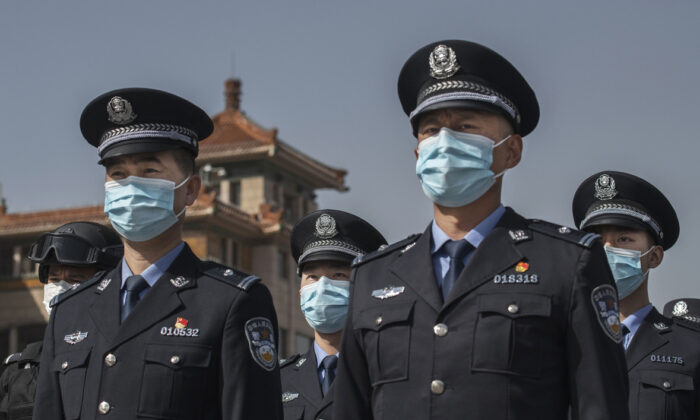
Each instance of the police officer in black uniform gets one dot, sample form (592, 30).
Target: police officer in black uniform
(637, 224)
(67, 257)
(485, 315)
(164, 335)
(684, 308)
(324, 243)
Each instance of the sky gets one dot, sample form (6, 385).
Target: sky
(616, 82)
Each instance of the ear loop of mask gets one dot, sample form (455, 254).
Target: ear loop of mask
(646, 253)
(176, 187)
(500, 174)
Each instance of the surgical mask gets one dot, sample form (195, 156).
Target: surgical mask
(325, 304)
(455, 168)
(51, 290)
(141, 208)
(626, 267)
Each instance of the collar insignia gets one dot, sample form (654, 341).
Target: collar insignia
(300, 362)
(605, 187)
(518, 235)
(325, 226)
(103, 284)
(680, 308)
(179, 281)
(388, 292)
(75, 337)
(289, 396)
(409, 246)
(119, 111)
(443, 62)
(660, 326)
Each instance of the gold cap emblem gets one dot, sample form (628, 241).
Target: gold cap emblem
(119, 111)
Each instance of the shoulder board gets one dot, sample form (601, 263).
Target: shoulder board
(687, 323)
(13, 358)
(289, 361)
(228, 275)
(384, 249)
(80, 286)
(584, 239)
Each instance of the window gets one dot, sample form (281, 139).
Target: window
(282, 264)
(235, 193)
(302, 343)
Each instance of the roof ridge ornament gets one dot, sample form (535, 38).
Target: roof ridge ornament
(443, 62)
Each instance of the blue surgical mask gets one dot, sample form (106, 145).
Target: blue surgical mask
(455, 168)
(141, 208)
(325, 304)
(626, 267)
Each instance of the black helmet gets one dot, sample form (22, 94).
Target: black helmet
(77, 244)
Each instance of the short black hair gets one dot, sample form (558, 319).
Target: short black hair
(184, 160)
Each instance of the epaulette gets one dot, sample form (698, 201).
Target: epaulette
(687, 323)
(13, 358)
(228, 275)
(77, 288)
(288, 361)
(584, 239)
(385, 249)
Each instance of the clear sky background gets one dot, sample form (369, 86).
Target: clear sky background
(617, 84)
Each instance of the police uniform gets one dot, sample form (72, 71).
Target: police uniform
(530, 326)
(200, 343)
(663, 355)
(18, 383)
(323, 235)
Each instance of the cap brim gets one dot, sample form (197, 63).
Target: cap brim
(462, 104)
(328, 256)
(140, 145)
(618, 220)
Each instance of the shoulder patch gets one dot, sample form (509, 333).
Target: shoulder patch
(228, 275)
(81, 286)
(13, 358)
(584, 239)
(604, 300)
(289, 361)
(385, 250)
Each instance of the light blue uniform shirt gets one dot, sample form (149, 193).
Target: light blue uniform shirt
(441, 261)
(320, 355)
(633, 322)
(152, 273)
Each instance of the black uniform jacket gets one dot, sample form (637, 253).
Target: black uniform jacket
(663, 360)
(18, 383)
(195, 347)
(301, 391)
(519, 336)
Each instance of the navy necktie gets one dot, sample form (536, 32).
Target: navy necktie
(134, 286)
(457, 250)
(329, 364)
(625, 339)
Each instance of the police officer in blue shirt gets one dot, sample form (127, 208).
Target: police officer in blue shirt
(486, 314)
(324, 243)
(638, 225)
(164, 335)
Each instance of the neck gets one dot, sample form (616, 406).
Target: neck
(141, 255)
(634, 302)
(456, 222)
(330, 343)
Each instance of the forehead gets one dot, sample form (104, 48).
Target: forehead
(617, 230)
(165, 157)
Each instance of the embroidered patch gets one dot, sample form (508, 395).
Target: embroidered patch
(604, 300)
(261, 340)
(664, 358)
(289, 396)
(75, 337)
(388, 292)
(516, 278)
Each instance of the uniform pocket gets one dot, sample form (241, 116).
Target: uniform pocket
(71, 368)
(665, 395)
(386, 334)
(509, 333)
(171, 375)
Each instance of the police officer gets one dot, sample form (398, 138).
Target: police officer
(324, 243)
(486, 314)
(638, 225)
(164, 335)
(684, 308)
(67, 257)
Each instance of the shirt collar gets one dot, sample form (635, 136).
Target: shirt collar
(155, 270)
(320, 354)
(474, 236)
(633, 321)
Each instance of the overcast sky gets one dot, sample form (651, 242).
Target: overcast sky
(617, 84)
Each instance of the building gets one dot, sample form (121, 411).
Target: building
(255, 187)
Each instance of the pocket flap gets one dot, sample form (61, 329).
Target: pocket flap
(378, 317)
(179, 356)
(516, 305)
(667, 381)
(64, 362)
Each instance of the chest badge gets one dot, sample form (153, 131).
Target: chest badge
(289, 396)
(522, 267)
(181, 323)
(181, 329)
(604, 300)
(75, 337)
(388, 292)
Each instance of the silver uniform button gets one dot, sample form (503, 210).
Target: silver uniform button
(379, 320)
(104, 407)
(667, 384)
(513, 308)
(440, 329)
(175, 359)
(64, 365)
(110, 360)
(437, 387)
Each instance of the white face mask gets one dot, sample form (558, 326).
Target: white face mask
(52, 290)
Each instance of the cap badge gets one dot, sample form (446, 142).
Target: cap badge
(680, 308)
(605, 187)
(325, 226)
(120, 111)
(443, 62)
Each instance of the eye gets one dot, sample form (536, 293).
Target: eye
(340, 276)
(151, 171)
(116, 174)
(429, 130)
(466, 127)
